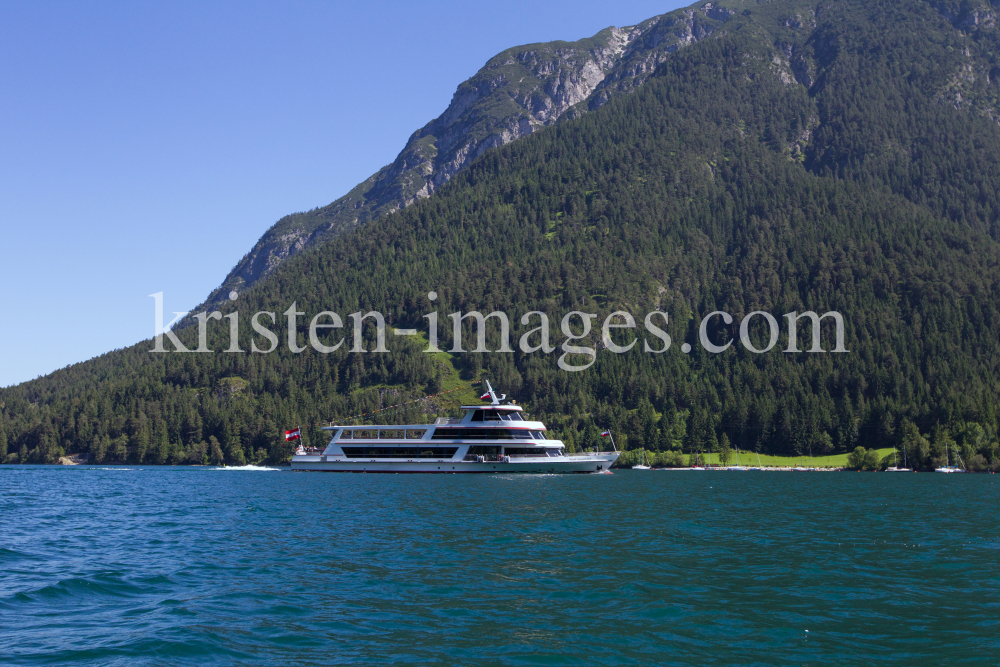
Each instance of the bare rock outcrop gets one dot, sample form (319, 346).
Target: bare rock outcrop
(74, 459)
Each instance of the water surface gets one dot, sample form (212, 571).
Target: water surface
(203, 566)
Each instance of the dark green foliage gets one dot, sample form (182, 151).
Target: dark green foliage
(721, 184)
(864, 459)
(725, 451)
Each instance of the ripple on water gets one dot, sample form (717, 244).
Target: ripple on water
(186, 566)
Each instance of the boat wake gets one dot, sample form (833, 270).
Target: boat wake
(249, 467)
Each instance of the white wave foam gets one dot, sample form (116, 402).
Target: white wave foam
(248, 467)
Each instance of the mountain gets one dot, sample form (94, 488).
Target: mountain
(517, 92)
(842, 156)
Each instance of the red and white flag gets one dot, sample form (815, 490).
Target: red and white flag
(293, 435)
(606, 434)
(484, 396)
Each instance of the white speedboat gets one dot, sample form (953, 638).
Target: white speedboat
(492, 438)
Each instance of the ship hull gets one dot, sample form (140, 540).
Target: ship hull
(568, 464)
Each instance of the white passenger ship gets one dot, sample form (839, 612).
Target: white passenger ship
(492, 438)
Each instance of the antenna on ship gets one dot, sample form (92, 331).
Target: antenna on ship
(492, 395)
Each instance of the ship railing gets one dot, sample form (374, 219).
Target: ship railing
(394, 427)
(392, 434)
(587, 454)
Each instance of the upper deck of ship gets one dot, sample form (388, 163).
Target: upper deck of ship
(475, 415)
(507, 408)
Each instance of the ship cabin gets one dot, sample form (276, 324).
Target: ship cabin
(484, 433)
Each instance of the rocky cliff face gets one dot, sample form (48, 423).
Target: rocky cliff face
(517, 92)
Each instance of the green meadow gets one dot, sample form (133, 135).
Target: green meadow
(630, 458)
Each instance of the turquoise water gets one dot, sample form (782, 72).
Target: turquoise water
(201, 566)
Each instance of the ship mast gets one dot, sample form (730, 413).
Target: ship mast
(492, 394)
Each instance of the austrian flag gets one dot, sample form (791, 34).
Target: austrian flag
(293, 435)
(484, 396)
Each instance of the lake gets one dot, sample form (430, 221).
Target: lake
(204, 566)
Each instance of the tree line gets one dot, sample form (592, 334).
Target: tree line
(687, 197)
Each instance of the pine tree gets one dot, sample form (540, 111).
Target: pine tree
(725, 450)
(215, 451)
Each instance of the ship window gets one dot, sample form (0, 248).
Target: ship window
(480, 434)
(537, 435)
(346, 434)
(490, 453)
(415, 433)
(399, 452)
(366, 435)
(532, 451)
(390, 434)
(496, 416)
(524, 451)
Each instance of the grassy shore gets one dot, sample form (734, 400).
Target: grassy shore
(750, 459)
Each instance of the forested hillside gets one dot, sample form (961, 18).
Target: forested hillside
(842, 156)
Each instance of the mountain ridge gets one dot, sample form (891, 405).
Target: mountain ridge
(566, 79)
(490, 109)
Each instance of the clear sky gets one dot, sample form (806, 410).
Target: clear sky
(145, 146)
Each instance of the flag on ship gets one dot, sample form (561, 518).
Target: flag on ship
(293, 435)
(606, 434)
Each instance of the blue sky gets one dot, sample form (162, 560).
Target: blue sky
(145, 147)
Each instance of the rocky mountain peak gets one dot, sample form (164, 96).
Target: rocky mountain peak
(517, 92)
